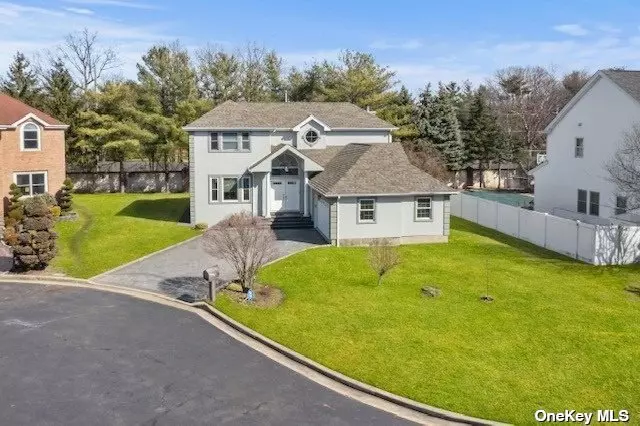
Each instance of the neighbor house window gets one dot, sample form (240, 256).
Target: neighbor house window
(621, 204)
(423, 208)
(582, 201)
(230, 189)
(30, 137)
(213, 189)
(246, 189)
(579, 147)
(311, 137)
(31, 183)
(367, 210)
(214, 142)
(594, 203)
(246, 141)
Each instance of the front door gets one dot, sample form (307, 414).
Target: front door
(285, 195)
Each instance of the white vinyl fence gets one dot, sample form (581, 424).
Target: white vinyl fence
(595, 244)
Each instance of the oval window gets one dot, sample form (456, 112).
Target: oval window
(311, 137)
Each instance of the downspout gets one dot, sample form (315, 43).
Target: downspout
(338, 222)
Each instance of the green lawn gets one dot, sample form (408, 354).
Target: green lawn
(114, 229)
(559, 335)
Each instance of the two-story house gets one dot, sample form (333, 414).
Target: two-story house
(329, 165)
(32, 149)
(574, 182)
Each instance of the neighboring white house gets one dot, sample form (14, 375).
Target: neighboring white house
(573, 181)
(327, 165)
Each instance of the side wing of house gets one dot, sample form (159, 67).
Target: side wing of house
(574, 182)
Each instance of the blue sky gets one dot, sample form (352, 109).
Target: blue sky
(421, 40)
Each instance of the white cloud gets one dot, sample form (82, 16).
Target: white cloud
(115, 3)
(402, 45)
(79, 10)
(572, 29)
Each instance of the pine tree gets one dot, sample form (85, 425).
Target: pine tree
(65, 196)
(21, 81)
(59, 90)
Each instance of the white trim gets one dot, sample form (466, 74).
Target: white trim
(309, 119)
(32, 116)
(38, 131)
(312, 166)
(276, 129)
(394, 194)
(31, 173)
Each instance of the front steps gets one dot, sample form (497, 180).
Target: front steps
(290, 221)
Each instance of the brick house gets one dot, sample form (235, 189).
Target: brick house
(32, 150)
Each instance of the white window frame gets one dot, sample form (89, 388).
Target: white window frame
(242, 190)
(579, 148)
(23, 129)
(30, 174)
(213, 179)
(218, 138)
(417, 208)
(308, 132)
(360, 209)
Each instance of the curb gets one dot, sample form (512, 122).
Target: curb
(341, 378)
(261, 340)
(145, 257)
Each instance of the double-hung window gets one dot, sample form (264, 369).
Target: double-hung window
(30, 137)
(594, 203)
(31, 183)
(423, 210)
(245, 191)
(229, 189)
(213, 189)
(366, 210)
(230, 141)
(579, 147)
(621, 204)
(582, 201)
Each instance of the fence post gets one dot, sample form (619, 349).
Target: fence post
(519, 213)
(577, 239)
(546, 216)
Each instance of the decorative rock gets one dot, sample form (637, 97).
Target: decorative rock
(429, 291)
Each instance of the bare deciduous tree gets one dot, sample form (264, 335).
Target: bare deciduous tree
(245, 242)
(383, 257)
(624, 168)
(86, 58)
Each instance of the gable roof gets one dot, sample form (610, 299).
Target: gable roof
(287, 115)
(12, 111)
(264, 164)
(627, 80)
(377, 169)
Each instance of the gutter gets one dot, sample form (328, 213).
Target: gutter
(338, 222)
(393, 194)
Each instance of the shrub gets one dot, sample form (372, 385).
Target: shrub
(245, 242)
(55, 211)
(200, 226)
(383, 257)
(14, 210)
(65, 196)
(33, 238)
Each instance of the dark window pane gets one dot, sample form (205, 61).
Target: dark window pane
(38, 178)
(621, 205)
(38, 189)
(230, 189)
(594, 203)
(23, 180)
(215, 144)
(582, 201)
(230, 141)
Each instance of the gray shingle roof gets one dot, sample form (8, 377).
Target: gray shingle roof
(286, 115)
(322, 156)
(377, 169)
(629, 81)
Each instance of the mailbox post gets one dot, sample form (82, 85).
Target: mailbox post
(211, 275)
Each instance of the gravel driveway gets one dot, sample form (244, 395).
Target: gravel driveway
(178, 271)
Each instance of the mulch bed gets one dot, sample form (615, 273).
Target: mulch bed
(264, 296)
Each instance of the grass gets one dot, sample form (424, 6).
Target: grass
(114, 229)
(559, 334)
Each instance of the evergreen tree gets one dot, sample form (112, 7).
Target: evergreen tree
(59, 94)
(399, 113)
(274, 81)
(219, 74)
(21, 81)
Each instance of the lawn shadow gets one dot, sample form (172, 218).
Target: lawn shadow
(463, 225)
(163, 209)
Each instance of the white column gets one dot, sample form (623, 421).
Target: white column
(267, 185)
(305, 193)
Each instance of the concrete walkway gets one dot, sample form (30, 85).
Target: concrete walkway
(6, 258)
(177, 272)
(74, 356)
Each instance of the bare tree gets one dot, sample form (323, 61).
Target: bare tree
(624, 168)
(86, 58)
(383, 257)
(426, 157)
(244, 241)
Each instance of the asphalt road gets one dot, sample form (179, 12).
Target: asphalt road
(71, 356)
